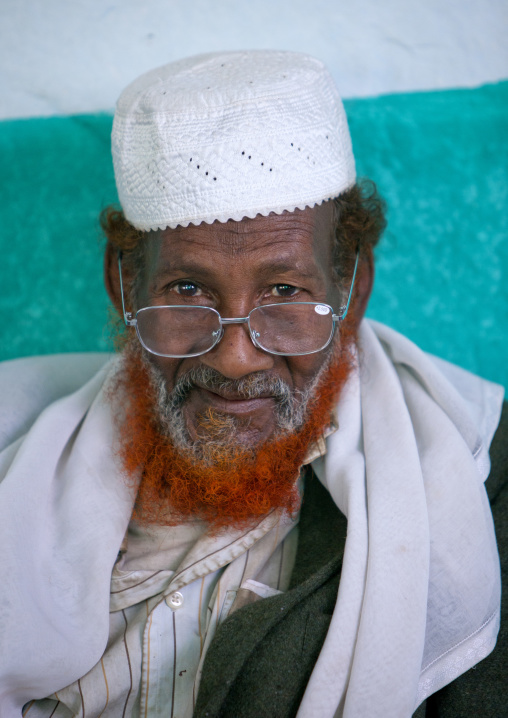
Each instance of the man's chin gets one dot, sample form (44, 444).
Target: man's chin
(222, 431)
(242, 423)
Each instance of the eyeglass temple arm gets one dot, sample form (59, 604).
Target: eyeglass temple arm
(345, 308)
(127, 316)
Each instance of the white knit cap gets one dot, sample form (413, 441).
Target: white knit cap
(229, 135)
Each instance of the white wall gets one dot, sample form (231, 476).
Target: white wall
(70, 56)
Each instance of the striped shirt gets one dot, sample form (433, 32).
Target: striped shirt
(170, 589)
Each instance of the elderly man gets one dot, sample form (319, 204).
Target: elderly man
(174, 526)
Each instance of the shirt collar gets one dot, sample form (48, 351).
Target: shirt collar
(318, 448)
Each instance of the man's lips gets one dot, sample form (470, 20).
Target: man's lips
(232, 404)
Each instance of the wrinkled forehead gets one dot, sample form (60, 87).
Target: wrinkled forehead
(297, 233)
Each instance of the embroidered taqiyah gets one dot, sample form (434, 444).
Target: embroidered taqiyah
(227, 136)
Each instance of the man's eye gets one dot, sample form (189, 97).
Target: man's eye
(187, 289)
(284, 290)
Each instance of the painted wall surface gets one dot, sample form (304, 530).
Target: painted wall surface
(440, 157)
(63, 57)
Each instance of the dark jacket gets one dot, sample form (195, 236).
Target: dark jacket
(261, 658)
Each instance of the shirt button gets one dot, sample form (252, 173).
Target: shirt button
(174, 600)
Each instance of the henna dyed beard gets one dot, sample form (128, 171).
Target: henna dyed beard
(229, 485)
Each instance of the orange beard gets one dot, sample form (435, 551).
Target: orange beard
(242, 485)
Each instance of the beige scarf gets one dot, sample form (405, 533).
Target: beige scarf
(418, 601)
(419, 596)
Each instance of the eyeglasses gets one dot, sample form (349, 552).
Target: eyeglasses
(286, 329)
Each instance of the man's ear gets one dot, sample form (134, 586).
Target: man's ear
(364, 283)
(112, 277)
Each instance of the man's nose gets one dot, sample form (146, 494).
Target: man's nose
(235, 355)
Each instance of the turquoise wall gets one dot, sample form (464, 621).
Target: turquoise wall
(439, 158)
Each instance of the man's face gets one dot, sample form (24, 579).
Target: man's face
(234, 267)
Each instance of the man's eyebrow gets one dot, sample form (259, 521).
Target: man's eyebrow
(180, 267)
(285, 267)
(267, 268)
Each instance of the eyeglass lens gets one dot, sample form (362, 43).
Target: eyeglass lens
(292, 328)
(178, 331)
(296, 328)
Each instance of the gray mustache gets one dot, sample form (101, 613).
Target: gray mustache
(251, 386)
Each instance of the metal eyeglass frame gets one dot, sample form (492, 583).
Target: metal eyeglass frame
(131, 321)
